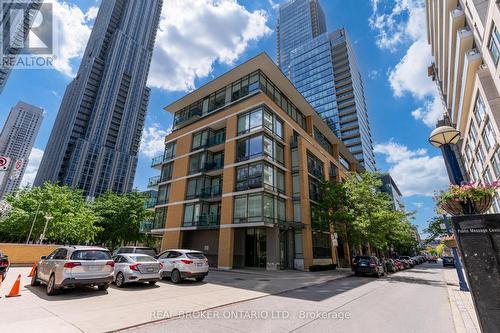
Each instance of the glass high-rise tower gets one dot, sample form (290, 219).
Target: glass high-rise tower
(324, 69)
(95, 139)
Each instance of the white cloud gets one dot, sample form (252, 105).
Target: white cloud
(153, 140)
(405, 23)
(32, 168)
(373, 74)
(91, 14)
(194, 34)
(414, 171)
(418, 204)
(71, 34)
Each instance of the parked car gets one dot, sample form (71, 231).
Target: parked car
(433, 259)
(182, 264)
(448, 261)
(407, 259)
(4, 265)
(399, 264)
(368, 265)
(390, 266)
(71, 266)
(136, 267)
(136, 249)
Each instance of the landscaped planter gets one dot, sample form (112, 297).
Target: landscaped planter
(478, 240)
(468, 207)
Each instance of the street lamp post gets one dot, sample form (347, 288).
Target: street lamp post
(444, 137)
(47, 219)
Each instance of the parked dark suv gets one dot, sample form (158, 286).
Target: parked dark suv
(136, 249)
(368, 265)
(4, 265)
(448, 261)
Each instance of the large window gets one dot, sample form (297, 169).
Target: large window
(206, 161)
(166, 172)
(169, 151)
(259, 208)
(260, 174)
(315, 166)
(473, 134)
(201, 214)
(488, 136)
(203, 187)
(494, 45)
(259, 145)
(323, 141)
(260, 118)
(235, 91)
(163, 193)
(495, 161)
(321, 245)
(344, 162)
(160, 218)
(479, 110)
(207, 138)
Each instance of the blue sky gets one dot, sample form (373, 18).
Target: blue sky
(390, 43)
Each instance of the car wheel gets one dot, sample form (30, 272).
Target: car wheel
(34, 279)
(175, 277)
(51, 285)
(200, 278)
(120, 280)
(152, 283)
(103, 287)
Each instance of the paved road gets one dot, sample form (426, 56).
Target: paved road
(411, 301)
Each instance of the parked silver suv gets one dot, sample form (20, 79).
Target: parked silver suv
(71, 266)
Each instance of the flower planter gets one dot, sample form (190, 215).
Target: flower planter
(450, 242)
(469, 207)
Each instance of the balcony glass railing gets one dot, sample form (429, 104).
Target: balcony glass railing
(153, 181)
(205, 220)
(211, 192)
(216, 140)
(214, 165)
(157, 161)
(150, 203)
(145, 226)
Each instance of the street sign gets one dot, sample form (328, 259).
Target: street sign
(16, 171)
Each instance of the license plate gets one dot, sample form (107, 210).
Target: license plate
(199, 264)
(150, 269)
(93, 268)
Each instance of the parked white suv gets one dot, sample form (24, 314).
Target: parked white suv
(71, 266)
(181, 264)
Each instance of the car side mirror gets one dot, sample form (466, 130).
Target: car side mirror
(43, 257)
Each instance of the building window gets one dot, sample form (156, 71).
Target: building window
(480, 157)
(487, 176)
(475, 172)
(472, 134)
(344, 162)
(494, 45)
(206, 161)
(321, 245)
(260, 118)
(315, 166)
(169, 151)
(258, 175)
(488, 136)
(203, 187)
(323, 141)
(163, 193)
(166, 172)
(259, 145)
(479, 110)
(208, 138)
(314, 190)
(495, 162)
(160, 218)
(468, 154)
(298, 244)
(259, 208)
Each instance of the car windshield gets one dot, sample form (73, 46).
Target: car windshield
(142, 258)
(91, 255)
(144, 250)
(195, 255)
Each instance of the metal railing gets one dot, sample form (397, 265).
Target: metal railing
(205, 220)
(211, 192)
(150, 203)
(153, 181)
(214, 165)
(156, 161)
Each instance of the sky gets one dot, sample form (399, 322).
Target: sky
(199, 40)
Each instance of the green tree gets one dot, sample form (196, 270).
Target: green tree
(434, 230)
(72, 221)
(119, 217)
(440, 249)
(365, 215)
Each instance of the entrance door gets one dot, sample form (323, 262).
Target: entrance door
(255, 247)
(283, 249)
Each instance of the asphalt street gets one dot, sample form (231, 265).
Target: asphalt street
(415, 300)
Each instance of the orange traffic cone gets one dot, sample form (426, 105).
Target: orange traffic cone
(14, 292)
(32, 270)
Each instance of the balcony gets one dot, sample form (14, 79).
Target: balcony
(213, 192)
(216, 142)
(153, 181)
(186, 118)
(157, 161)
(213, 168)
(145, 227)
(205, 221)
(150, 203)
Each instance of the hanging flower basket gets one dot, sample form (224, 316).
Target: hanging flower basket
(467, 199)
(450, 242)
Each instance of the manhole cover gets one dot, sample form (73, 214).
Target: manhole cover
(240, 279)
(264, 280)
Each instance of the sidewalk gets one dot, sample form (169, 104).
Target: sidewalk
(462, 308)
